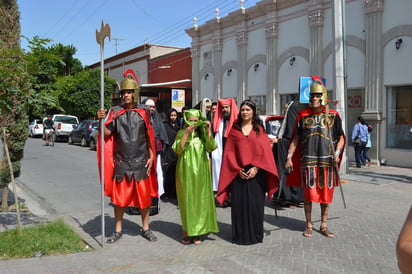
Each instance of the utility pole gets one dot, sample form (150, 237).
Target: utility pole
(116, 42)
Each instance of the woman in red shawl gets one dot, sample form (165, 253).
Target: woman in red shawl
(248, 171)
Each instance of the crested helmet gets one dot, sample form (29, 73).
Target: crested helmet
(130, 84)
(318, 88)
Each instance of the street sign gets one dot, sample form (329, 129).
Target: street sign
(304, 87)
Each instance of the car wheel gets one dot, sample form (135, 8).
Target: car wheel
(83, 142)
(92, 144)
(70, 141)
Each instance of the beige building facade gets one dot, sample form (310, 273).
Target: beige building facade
(261, 52)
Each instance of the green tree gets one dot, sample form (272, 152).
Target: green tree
(42, 68)
(69, 64)
(80, 94)
(14, 93)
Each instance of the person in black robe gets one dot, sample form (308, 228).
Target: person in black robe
(169, 157)
(286, 196)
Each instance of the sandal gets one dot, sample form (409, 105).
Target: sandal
(196, 240)
(148, 235)
(116, 236)
(185, 240)
(308, 232)
(325, 232)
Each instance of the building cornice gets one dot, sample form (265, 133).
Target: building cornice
(372, 6)
(241, 15)
(316, 15)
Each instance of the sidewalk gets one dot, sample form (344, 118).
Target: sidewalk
(377, 199)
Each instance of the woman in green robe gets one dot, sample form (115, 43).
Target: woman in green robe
(193, 177)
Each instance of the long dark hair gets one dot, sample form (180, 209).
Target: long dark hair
(256, 122)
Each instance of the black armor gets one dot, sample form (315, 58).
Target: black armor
(130, 151)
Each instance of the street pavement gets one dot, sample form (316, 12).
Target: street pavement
(378, 199)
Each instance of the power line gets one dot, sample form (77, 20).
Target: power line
(176, 28)
(178, 32)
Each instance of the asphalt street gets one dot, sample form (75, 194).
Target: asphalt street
(377, 198)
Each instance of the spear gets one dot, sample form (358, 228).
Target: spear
(335, 166)
(100, 36)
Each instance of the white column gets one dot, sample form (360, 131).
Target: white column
(339, 69)
(374, 90)
(316, 18)
(242, 42)
(271, 30)
(217, 63)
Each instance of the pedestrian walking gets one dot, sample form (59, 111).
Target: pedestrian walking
(364, 151)
(359, 140)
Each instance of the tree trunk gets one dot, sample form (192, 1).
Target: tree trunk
(5, 198)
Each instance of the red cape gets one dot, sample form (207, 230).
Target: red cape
(241, 151)
(108, 153)
(295, 177)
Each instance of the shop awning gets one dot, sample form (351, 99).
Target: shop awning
(172, 84)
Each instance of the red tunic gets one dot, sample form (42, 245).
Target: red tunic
(123, 193)
(314, 155)
(241, 151)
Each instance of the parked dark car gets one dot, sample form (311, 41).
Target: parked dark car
(81, 133)
(94, 136)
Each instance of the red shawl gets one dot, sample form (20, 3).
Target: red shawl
(108, 153)
(241, 151)
(234, 111)
(295, 177)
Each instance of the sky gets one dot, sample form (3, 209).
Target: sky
(132, 22)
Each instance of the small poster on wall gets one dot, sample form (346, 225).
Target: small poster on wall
(178, 99)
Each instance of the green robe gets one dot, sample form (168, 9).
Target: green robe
(194, 185)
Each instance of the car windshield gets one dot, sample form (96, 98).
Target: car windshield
(95, 124)
(66, 120)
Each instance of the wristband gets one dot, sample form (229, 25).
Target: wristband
(338, 151)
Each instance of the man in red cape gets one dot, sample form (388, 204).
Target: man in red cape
(313, 156)
(129, 178)
(226, 114)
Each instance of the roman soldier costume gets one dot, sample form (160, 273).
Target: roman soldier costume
(315, 153)
(126, 155)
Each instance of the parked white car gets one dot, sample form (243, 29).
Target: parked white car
(64, 124)
(36, 128)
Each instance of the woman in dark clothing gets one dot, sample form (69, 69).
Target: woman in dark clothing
(248, 172)
(169, 157)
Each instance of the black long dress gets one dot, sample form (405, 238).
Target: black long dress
(248, 203)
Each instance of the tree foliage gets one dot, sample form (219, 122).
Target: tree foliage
(42, 68)
(60, 83)
(80, 94)
(68, 65)
(14, 93)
